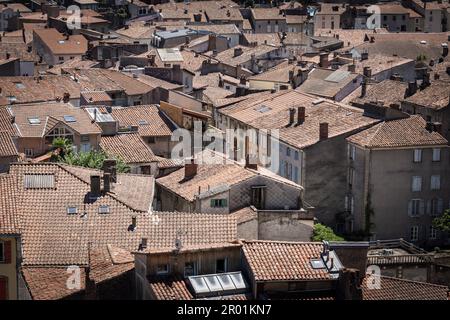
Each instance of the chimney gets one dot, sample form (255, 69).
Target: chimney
(95, 185)
(8, 56)
(66, 97)
(324, 60)
(363, 88)
(106, 182)
(23, 36)
(412, 88)
(349, 287)
(291, 75)
(323, 131)
(372, 39)
(237, 52)
(242, 80)
(110, 166)
(143, 245)
(364, 56)
(133, 223)
(444, 50)
(291, 116)
(190, 168)
(351, 68)
(448, 70)
(367, 72)
(437, 127)
(301, 114)
(436, 76)
(426, 80)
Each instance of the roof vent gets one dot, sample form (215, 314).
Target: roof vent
(72, 210)
(318, 101)
(103, 209)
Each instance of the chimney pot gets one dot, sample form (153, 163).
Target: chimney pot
(324, 60)
(291, 116)
(144, 243)
(412, 88)
(106, 182)
(323, 130)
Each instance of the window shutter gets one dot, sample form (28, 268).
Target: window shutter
(7, 248)
(212, 203)
(410, 207)
(3, 288)
(422, 207)
(440, 206)
(225, 201)
(429, 207)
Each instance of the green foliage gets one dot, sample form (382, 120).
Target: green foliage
(92, 159)
(421, 57)
(322, 232)
(443, 222)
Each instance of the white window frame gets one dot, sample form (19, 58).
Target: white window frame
(195, 272)
(29, 152)
(433, 233)
(436, 154)
(414, 233)
(415, 207)
(416, 184)
(417, 158)
(435, 182)
(160, 272)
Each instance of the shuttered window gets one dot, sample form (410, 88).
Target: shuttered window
(416, 184)
(435, 182)
(416, 207)
(414, 233)
(3, 288)
(5, 251)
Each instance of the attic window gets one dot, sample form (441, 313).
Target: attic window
(69, 119)
(61, 41)
(39, 181)
(34, 120)
(19, 85)
(263, 108)
(72, 210)
(103, 209)
(12, 98)
(143, 122)
(317, 264)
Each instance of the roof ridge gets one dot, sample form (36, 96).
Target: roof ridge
(411, 281)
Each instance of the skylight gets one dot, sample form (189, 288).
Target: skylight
(263, 108)
(34, 120)
(72, 210)
(103, 209)
(19, 85)
(61, 41)
(69, 119)
(143, 122)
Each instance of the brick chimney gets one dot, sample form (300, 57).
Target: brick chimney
(324, 63)
(66, 97)
(110, 166)
(106, 182)
(237, 52)
(301, 114)
(351, 68)
(412, 88)
(444, 50)
(95, 185)
(367, 72)
(291, 116)
(190, 168)
(323, 130)
(363, 88)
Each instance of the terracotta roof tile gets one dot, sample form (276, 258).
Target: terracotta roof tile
(272, 260)
(436, 96)
(59, 44)
(7, 146)
(387, 91)
(151, 121)
(398, 133)
(103, 267)
(9, 215)
(129, 147)
(169, 288)
(50, 283)
(400, 289)
(245, 214)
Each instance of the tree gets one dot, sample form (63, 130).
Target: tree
(443, 222)
(64, 144)
(322, 232)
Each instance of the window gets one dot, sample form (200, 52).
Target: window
(435, 182)
(295, 174)
(218, 203)
(351, 173)
(417, 155)
(84, 138)
(394, 18)
(69, 119)
(162, 269)
(29, 152)
(258, 197)
(61, 58)
(296, 155)
(288, 152)
(221, 265)
(436, 154)
(103, 209)
(2, 251)
(151, 140)
(282, 167)
(416, 184)
(34, 120)
(351, 152)
(72, 210)
(190, 269)
(416, 207)
(433, 233)
(414, 233)
(436, 207)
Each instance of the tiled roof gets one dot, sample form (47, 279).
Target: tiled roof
(273, 260)
(227, 56)
(245, 214)
(208, 176)
(263, 38)
(50, 283)
(155, 82)
(102, 264)
(96, 96)
(318, 84)
(59, 44)
(70, 64)
(52, 237)
(267, 14)
(278, 74)
(341, 118)
(9, 216)
(169, 288)
(400, 289)
(151, 121)
(398, 133)
(379, 63)
(129, 147)
(7, 146)
(350, 37)
(35, 89)
(388, 91)
(436, 96)
(49, 115)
